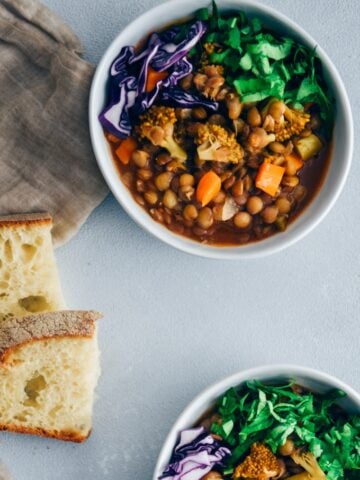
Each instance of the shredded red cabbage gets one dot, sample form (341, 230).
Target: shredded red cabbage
(178, 97)
(195, 455)
(128, 77)
(122, 96)
(169, 53)
(144, 101)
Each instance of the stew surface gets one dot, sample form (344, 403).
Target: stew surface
(222, 232)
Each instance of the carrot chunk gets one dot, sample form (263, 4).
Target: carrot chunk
(153, 77)
(269, 177)
(112, 138)
(208, 187)
(125, 149)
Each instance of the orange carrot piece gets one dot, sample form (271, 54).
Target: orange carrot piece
(208, 187)
(125, 149)
(294, 160)
(269, 177)
(112, 138)
(153, 77)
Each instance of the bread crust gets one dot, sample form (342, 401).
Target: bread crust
(25, 219)
(66, 435)
(18, 331)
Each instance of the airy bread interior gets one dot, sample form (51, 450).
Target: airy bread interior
(47, 384)
(28, 275)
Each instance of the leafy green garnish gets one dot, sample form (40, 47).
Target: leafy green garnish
(269, 49)
(270, 414)
(202, 14)
(261, 65)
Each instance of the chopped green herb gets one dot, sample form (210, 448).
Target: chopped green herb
(271, 50)
(233, 40)
(246, 62)
(220, 57)
(270, 414)
(257, 89)
(202, 14)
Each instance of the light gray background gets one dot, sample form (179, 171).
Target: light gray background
(175, 323)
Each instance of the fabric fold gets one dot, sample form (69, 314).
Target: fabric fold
(46, 159)
(37, 15)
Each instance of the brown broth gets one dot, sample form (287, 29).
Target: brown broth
(311, 176)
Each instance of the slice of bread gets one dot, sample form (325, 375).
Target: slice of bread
(29, 281)
(49, 367)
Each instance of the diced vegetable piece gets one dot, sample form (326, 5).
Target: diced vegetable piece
(229, 209)
(308, 146)
(269, 178)
(294, 162)
(209, 186)
(112, 138)
(153, 77)
(125, 149)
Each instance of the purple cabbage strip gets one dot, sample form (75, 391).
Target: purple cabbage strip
(123, 91)
(181, 69)
(146, 99)
(128, 96)
(195, 455)
(162, 53)
(169, 53)
(145, 68)
(167, 36)
(181, 98)
(118, 69)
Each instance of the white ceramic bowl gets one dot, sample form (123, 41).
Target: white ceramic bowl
(307, 377)
(167, 13)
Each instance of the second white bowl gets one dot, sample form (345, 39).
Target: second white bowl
(312, 379)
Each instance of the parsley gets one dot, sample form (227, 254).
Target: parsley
(270, 414)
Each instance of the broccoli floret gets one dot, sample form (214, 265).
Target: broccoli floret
(217, 144)
(259, 139)
(157, 125)
(294, 123)
(261, 464)
(308, 462)
(283, 121)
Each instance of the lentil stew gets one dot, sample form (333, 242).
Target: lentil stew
(221, 154)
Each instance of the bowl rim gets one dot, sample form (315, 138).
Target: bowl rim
(258, 249)
(217, 388)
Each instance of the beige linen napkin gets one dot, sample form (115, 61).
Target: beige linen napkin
(46, 160)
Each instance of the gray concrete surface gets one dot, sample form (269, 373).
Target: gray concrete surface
(175, 323)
